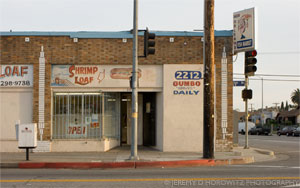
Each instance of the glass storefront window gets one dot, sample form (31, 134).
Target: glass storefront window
(111, 115)
(85, 115)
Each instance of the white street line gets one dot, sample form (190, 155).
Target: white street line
(292, 152)
(265, 166)
(296, 185)
(277, 141)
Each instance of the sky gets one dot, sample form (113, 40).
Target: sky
(278, 31)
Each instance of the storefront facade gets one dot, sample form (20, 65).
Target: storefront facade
(82, 79)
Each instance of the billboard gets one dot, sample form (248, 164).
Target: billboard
(244, 30)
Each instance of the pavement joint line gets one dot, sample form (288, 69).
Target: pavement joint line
(150, 179)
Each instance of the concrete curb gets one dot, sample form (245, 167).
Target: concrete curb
(76, 165)
(173, 164)
(265, 152)
(129, 164)
(243, 160)
(9, 165)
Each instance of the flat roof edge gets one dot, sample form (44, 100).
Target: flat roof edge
(120, 34)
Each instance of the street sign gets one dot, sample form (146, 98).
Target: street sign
(238, 83)
(244, 30)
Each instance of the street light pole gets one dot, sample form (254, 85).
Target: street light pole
(134, 101)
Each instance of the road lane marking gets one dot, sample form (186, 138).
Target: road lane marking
(283, 141)
(151, 179)
(265, 166)
(296, 185)
(261, 166)
(292, 152)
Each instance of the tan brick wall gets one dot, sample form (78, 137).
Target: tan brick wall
(224, 145)
(62, 50)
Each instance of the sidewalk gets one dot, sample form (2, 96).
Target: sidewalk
(119, 158)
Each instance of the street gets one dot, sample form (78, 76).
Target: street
(286, 148)
(281, 172)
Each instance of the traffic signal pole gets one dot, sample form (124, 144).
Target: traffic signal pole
(134, 101)
(250, 69)
(149, 44)
(246, 118)
(209, 75)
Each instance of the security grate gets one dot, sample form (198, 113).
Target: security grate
(85, 115)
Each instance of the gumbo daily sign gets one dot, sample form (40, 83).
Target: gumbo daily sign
(187, 82)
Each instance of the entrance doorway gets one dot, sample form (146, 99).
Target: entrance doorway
(146, 119)
(125, 120)
(149, 119)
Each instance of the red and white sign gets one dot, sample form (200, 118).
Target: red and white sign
(104, 76)
(75, 130)
(16, 75)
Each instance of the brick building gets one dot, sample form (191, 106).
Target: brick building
(77, 84)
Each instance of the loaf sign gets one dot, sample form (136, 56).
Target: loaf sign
(83, 75)
(16, 75)
(77, 75)
(104, 76)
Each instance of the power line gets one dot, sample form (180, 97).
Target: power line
(279, 53)
(279, 75)
(270, 80)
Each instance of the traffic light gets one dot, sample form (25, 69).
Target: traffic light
(247, 94)
(149, 43)
(250, 62)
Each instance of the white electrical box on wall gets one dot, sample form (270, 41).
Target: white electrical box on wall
(28, 135)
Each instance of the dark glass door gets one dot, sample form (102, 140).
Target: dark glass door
(149, 127)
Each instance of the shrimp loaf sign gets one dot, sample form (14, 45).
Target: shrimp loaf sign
(103, 76)
(83, 75)
(77, 75)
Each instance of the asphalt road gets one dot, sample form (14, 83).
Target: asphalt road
(286, 148)
(284, 171)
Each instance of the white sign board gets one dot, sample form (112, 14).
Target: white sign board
(182, 104)
(105, 76)
(28, 135)
(244, 30)
(16, 75)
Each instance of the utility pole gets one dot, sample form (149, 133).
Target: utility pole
(251, 104)
(134, 101)
(209, 75)
(276, 105)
